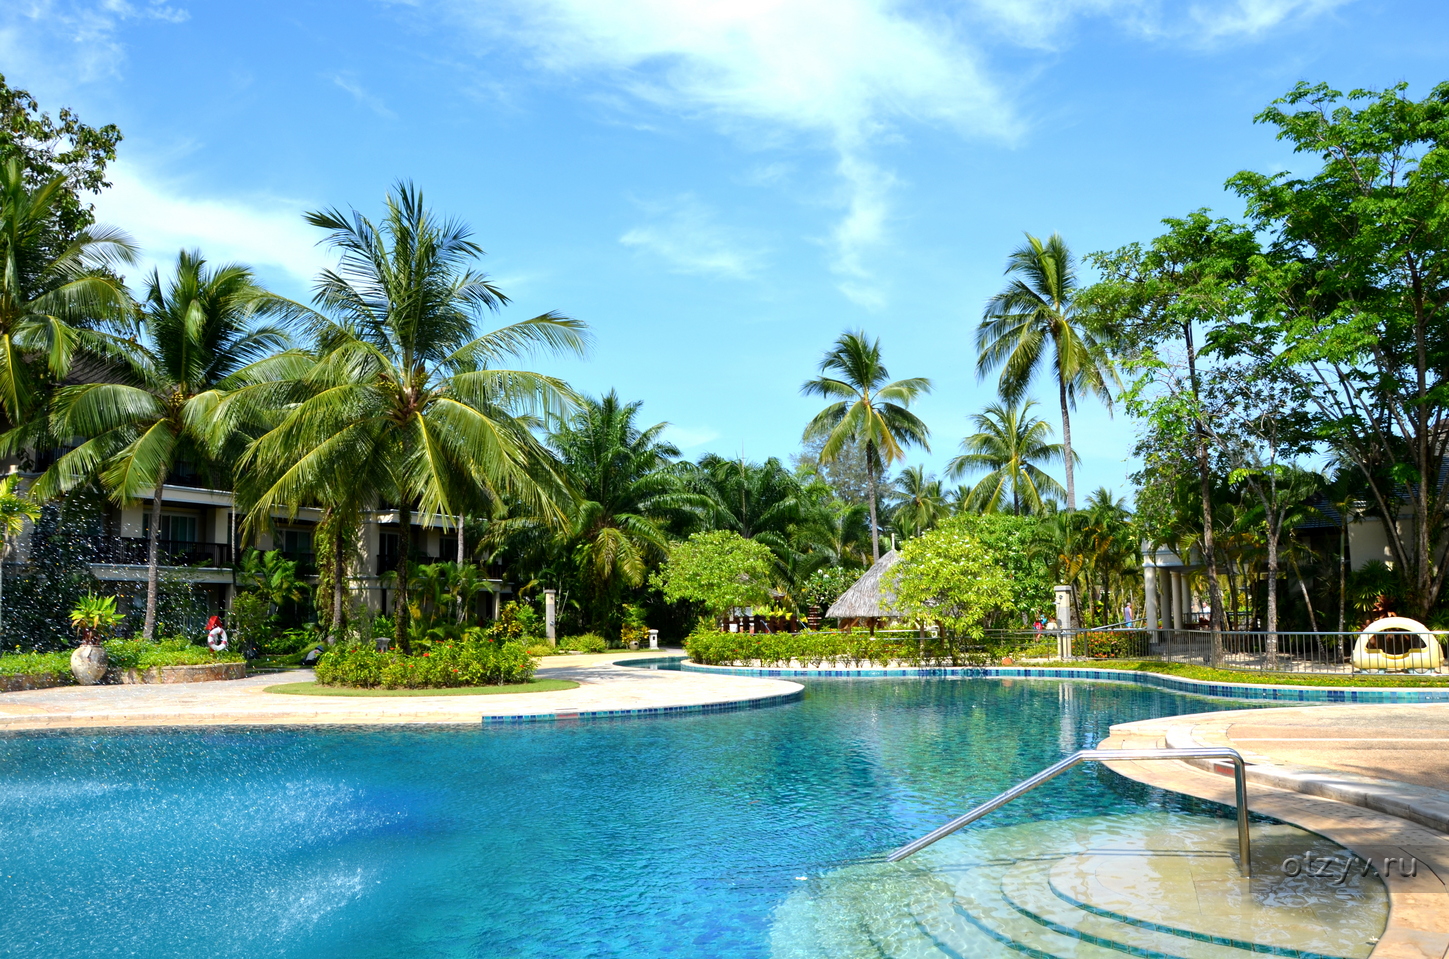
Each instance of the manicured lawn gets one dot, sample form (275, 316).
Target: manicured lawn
(532, 686)
(1207, 673)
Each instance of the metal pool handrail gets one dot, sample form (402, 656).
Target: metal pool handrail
(1240, 783)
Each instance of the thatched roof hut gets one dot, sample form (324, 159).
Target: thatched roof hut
(866, 600)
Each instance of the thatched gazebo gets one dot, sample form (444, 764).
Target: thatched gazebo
(866, 600)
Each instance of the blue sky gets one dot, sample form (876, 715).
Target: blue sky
(718, 188)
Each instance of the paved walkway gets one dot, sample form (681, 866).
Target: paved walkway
(604, 689)
(1367, 777)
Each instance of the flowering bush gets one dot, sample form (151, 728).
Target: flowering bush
(474, 661)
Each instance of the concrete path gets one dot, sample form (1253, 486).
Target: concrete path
(1364, 776)
(604, 690)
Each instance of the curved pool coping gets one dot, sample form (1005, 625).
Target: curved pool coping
(1177, 684)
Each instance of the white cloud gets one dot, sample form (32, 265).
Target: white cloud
(841, 72)
(260, 232)
(1041, 23)
(346, 82)
(684, 233)
(88, 27)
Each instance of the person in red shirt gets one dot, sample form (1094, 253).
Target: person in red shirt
(215, 634)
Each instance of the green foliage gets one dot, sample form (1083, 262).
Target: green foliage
(720, 569)
(707, 646)
(35, 664)
(271, 575)
(251, 619)
(587, 643)
(826, 584)
(516, 621)
(634, 629)
(141, 653)
(474, 661)
(948, 577)
(1007, 541)
(95, 613)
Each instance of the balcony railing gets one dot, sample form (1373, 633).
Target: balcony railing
(130, 551)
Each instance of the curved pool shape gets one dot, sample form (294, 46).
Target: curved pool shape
(683, 836)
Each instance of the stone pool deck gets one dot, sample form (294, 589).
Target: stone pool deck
(1371, 778)
(605, 690)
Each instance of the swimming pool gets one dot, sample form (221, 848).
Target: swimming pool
(631, 838)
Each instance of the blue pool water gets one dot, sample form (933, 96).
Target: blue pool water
(631, 838)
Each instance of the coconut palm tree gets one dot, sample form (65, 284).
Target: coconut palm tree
(199, 337)
(919, 502)
(407, 404)
(1037, 312)
(868, 409)
(50, 293)
(16, 509)
(1009, 443)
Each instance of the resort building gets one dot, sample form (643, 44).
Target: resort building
(199, 545)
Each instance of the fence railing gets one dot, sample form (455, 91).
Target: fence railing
(125, 550)
(1283, 651)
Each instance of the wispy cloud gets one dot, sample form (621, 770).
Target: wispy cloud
(347, 82)
(685, 234)
(259, 232)
(1044, 23)
(840, 72)
(88, 27)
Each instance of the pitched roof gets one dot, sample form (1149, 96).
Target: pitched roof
(865, 599)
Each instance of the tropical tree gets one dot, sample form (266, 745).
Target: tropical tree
(16, 509)
(919, 502)
(52, 288)
(200, 337)
(868, 409)
(1009, 443)
(719, 569)
(761, 501)
(628, 493)
(1037, 313)
(407, 404)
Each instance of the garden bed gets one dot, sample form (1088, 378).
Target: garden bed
(532, 686)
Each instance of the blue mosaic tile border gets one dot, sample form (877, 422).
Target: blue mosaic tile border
(644, 712)
(1196, 687)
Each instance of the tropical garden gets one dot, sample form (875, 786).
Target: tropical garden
(1283, 372)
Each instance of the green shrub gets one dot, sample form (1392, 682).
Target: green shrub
(710, 647)
(177, 651)
(634, 629)
(290, 642)
(31, 664)
(516, 621)
(251, 620)
(587, 643)
(541, 649)
(476, 661)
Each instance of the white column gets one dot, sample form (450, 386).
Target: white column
(549, 612)
(1149, 593)
(1177, 591)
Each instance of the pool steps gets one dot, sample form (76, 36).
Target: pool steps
(1154, 886)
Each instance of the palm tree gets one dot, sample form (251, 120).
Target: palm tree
(920, 503)
(199, 338)
(16, 509)
(49, 293)
(760, 501)
(1009, 443)
(1036, 309)
(868, 410)
(407, 403)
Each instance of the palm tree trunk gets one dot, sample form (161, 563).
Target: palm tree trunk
(1067, 446)
(462, 548)
(1342, 571)
(339, 570)
(4, 551)
(1272, 642)
(874, 528)
(153, 558)
(400, 608)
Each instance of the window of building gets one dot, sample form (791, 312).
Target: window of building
(296, 541)
(175, 528)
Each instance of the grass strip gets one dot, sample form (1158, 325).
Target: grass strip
(1253, 677)
(532, 686)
